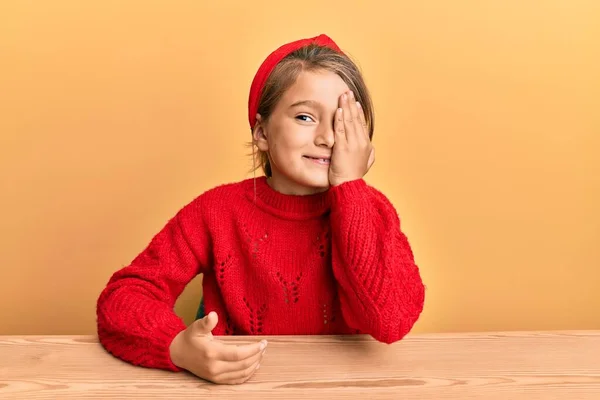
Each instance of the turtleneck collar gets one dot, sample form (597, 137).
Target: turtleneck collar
(285, 205)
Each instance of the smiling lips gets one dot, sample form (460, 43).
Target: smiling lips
(319, 160)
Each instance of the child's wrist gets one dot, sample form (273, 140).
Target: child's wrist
(177, 351)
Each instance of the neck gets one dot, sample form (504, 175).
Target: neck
(284, 186)
(290, 206)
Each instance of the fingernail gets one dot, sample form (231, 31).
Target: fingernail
(344, 96)
(351, 94)
(258, 366)
(357, 104)
(263, 345)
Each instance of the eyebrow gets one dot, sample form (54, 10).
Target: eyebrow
(310, 103)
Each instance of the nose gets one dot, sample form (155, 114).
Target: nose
(325, 136)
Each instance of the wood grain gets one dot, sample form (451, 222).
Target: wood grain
(501, 365)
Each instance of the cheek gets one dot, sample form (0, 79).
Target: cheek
(291, 139)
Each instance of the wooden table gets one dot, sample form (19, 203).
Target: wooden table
(502, 365)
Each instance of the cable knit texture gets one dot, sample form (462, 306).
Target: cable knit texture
(272, 264)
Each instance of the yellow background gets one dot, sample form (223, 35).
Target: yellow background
(114, 114)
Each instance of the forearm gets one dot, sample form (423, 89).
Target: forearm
(137, 326)
(381, 290)
(135, 317)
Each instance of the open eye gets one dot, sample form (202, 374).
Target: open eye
(305, 118)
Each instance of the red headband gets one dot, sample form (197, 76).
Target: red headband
(271, 61)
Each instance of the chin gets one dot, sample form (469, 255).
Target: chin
(316, 183)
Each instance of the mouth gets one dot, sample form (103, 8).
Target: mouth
(318, 160)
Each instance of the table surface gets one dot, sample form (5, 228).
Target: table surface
(490, 365)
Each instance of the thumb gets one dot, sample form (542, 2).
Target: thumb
(205, 325)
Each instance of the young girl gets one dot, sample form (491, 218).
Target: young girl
(307, 249)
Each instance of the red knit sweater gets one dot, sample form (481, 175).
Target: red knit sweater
(331, 263)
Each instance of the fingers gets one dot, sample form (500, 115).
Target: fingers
(227, 352)
(354, 125)
(339, 130)
(225, 367)
(235, 371)
(239, 376)
(363, 120)
(349, 116)
(353, 120)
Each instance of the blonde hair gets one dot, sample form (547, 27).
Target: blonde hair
(309, 58)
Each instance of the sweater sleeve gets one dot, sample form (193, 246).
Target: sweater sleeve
(135, 317)
(380, 287)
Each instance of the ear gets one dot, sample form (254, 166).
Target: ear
(259, 134)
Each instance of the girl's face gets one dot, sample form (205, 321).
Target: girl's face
(299, 137)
